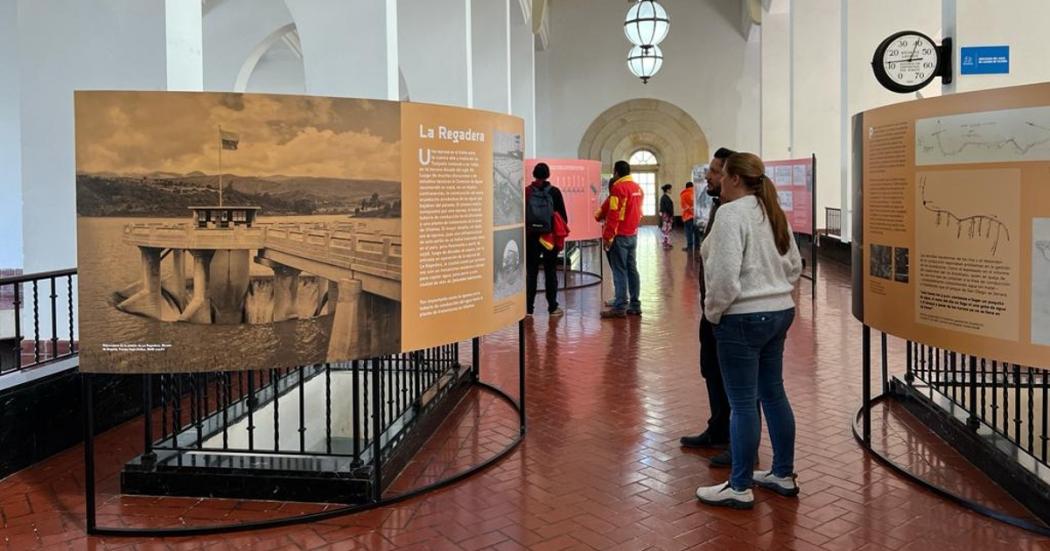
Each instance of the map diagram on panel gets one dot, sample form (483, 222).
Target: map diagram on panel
(965, 264)
(1010, 135)
(984, 226)
(1041, 281)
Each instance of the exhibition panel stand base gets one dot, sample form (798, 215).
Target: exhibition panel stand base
(370, 490)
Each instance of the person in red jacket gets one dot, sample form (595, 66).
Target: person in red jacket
(620, 237)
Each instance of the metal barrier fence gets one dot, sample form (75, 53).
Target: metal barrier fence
(250, 411)
(43, 318)
(833, 221)
(1009, 399)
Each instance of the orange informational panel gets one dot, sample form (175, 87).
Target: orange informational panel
(223, 231)
(794, 181)
(954, 242)
(580, 183)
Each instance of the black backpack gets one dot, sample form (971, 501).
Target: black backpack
(539, 210)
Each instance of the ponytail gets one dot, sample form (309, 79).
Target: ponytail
(751, 171)
(767, 195)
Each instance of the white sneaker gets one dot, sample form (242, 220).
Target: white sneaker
(783, 485)
(723, 495)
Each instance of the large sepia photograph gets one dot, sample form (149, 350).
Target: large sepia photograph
(222, 231)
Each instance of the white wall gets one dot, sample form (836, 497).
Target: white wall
(66, 46)
(709, 70)
(233, 29)
(279, 71)
(523, 81)
(433, 41)
(1021, 24)
(776, 85)
(491, 54)
(816, 98)
(10, 140)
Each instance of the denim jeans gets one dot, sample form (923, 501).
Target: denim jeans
(751, 355)
(689, 227)
(624, 266)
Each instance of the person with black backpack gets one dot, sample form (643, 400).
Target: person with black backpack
(543, 203)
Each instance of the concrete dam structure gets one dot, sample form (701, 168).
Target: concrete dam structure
(339, 269)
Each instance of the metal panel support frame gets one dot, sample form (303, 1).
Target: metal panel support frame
(87, 410)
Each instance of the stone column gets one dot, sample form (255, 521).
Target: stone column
(199, 309)
(178, 261)
(345, 340)
(148, 301)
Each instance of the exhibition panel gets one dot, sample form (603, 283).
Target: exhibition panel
(794, 181)
(580, 182)
(955, 244)
(221, 231)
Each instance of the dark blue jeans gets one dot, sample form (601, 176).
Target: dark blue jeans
(689, 227)
(624, 266)
(751, 355)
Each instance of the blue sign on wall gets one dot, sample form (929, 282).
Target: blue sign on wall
(985, 60)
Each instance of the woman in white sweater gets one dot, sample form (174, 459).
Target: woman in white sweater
(751, 264)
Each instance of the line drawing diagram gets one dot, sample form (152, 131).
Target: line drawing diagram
(990, 136)
(972, 137)
(977, 225)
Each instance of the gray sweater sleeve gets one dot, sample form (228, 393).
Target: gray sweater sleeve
(723, 256)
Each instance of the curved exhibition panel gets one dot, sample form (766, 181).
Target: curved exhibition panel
(291, 278)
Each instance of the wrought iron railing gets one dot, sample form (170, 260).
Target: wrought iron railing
(290, 412)
(40, 307)
(1007, 399)
(833, 221)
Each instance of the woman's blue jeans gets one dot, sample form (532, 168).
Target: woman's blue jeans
(751, 357)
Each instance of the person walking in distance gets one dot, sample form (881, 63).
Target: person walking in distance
(751, 265)
(544, 204)
(685, 199)
(717, 433)
(620, 238)
(666, 215)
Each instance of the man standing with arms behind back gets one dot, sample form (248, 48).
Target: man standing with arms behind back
(620, 238)
(686, 202)
(717, 433)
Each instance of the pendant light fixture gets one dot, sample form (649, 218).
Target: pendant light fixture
(645, 62)
(646, 24)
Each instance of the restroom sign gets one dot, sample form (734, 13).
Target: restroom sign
(985, 60)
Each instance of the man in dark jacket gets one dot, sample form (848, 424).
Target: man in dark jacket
(717, 433)
(536, 253)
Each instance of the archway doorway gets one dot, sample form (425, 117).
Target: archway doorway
(645, 167)
(668, 134)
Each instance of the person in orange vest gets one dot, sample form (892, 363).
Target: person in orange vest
(620, 238)
(686, 202)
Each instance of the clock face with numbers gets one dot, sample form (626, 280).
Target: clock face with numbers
(906, 61)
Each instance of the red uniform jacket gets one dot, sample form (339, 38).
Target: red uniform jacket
(624, 209)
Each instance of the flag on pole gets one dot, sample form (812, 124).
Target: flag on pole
(229, 140)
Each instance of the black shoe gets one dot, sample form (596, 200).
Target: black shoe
(702, 440)
(724, 460)
(631, 312)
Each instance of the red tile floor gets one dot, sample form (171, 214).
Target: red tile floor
(601, 467)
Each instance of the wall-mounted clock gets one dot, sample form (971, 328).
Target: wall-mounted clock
(909, 60)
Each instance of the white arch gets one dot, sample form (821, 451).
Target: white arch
(288, 33)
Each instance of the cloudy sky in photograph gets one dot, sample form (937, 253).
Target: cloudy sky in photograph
(142, 132)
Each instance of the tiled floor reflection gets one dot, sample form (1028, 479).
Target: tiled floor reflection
(600, 467)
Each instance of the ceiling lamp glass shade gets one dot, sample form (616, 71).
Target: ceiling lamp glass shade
(646, 24)
(645, 62)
